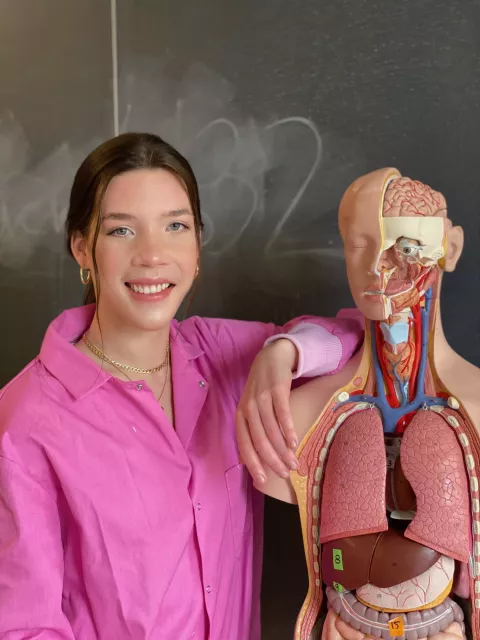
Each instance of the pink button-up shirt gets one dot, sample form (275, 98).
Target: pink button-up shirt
(113, 525)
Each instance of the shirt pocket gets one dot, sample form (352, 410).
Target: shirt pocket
(238, 486)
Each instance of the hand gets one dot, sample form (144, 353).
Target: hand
(264, 422)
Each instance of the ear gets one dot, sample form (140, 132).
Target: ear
(79, 247)
(454, 248)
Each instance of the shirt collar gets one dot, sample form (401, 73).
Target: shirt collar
(76, 371)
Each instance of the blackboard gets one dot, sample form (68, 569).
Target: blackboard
(279, 105)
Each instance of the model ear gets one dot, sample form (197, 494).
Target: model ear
(454, 248)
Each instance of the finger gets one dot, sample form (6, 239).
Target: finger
(262, 445)
(248, 455)
(273, 430)
(281, 405)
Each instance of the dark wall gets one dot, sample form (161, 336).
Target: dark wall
(55, 101)
(279, 105)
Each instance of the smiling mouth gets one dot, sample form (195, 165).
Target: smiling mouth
(149, 289)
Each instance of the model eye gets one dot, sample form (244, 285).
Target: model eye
(408, 248)
(409, 251)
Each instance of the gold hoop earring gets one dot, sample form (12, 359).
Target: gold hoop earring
(197, 271)
(85, 280)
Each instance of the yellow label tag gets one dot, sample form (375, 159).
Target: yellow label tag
(396, 627)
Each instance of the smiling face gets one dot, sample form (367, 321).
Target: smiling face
(395, 232)
(146, 251)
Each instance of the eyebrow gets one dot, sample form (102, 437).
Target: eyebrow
(126, 217)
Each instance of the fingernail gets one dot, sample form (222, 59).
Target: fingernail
(294, 444)
(261, 479)
(285, 475)
(293, 465)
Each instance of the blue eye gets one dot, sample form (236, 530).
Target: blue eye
(177, 226)
(120, 232)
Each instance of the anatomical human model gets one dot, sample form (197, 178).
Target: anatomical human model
(387, 481)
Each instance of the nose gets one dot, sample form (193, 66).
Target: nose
(384, 262)
(150, 251)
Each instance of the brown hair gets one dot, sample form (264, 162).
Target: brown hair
(118, 155)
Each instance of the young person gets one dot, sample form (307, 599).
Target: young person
(125, 511)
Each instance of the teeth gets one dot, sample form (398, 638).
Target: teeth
(148, 289)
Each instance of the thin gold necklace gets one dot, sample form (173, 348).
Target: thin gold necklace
(164, 382)
(99, 353)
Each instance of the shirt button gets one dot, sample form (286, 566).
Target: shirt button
(199, 506)
(201, 383)
(139, 387)
(208, 588)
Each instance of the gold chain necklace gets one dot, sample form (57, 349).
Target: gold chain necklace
(164, 382)
(125, 367)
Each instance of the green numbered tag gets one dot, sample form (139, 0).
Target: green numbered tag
(338, 587)
(337, 559)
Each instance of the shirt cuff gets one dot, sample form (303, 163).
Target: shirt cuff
(319, 352)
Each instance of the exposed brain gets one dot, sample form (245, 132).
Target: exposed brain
(406, 197)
